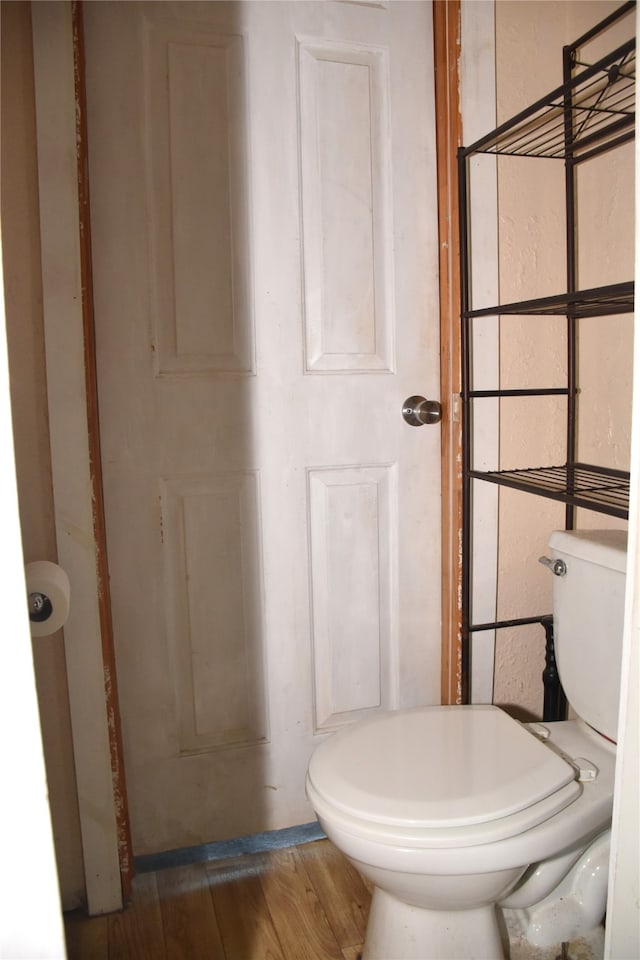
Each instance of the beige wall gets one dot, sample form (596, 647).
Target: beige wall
(529, 39)
(23, 295)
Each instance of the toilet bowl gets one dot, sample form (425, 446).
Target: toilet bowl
(443, 809)
(458, 813)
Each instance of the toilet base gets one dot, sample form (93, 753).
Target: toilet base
(399, 931)
(576, 904)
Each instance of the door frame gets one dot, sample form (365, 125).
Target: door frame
(75, 454)
(73, 421)
(447, 46)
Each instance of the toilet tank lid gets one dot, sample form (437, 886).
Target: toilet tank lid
(607, 548)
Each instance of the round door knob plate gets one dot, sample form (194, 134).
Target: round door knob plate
(417, 411)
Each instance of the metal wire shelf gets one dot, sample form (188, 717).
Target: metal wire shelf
(579, 484)
(596, 302)
(585, 116)
(591, 113)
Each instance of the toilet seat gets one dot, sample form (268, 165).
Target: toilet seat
(440, 776)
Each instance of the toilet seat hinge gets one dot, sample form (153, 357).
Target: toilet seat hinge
(585, 769)
(538, 730)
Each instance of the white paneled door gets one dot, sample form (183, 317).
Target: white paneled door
(264, 233)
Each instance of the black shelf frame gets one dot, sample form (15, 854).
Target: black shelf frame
(596, 302)
(578, 484)
(589, 113)
(592, 112)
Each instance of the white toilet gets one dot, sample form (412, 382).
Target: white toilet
(456, 813)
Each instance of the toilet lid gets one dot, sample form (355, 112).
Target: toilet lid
(437, 766)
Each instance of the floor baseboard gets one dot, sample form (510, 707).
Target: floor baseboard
(226, 849)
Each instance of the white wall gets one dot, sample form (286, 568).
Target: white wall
(25, 340)
(478, 109)
(31, 924)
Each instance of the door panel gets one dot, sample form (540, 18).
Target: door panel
(265, 258)
(194, 92)
(344, 178)
(218, 675)
(353, 595)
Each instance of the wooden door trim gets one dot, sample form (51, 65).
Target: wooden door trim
(125, 852)
(75, 469)
(447, 49)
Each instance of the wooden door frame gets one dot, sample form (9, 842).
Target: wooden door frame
(75, 451)
(447, 49)
(74, 428)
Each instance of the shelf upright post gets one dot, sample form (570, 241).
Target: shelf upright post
(466, 379)
(568, 61)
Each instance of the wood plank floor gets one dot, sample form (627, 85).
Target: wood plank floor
(299, 903)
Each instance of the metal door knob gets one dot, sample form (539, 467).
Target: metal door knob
(417, 411)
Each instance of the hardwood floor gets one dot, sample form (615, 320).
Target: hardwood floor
(299, 903)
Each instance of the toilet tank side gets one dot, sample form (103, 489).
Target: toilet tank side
(588, 611)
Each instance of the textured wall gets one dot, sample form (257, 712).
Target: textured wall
(532, 262)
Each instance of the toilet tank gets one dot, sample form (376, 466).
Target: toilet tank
(588, 614)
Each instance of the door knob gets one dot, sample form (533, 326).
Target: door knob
(417, 411)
